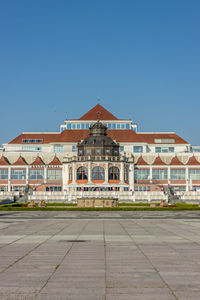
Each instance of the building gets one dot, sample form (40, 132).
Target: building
(131, 161)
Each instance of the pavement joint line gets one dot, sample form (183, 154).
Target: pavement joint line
(10, 266)
(139, 248)
(21, 237)
(187, 239)
(165, 243)
(58, 265)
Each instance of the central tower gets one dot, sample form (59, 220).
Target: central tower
(98, 143)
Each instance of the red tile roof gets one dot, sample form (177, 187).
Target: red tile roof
(158, 162)
(38, 162)
(55, 161)
(150, 138)
(4, 161)
(175, 161)
(75, 135)
(46, 137)
(20, 161)
(141, 162)
(193, 161)
(98, 112)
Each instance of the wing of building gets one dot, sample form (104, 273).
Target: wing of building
(147, 161)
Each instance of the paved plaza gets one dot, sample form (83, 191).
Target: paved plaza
(100, 255)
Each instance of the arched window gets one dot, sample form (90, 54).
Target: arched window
(70, 173)
(98, 173)
(82, 173)
(125, 174)
(113, 173)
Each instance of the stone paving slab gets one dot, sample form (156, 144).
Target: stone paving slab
(99, 259)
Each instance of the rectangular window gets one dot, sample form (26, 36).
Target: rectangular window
(88, 151)
(137, 149)
(97, 151)
(178, 188)
(109, 126)
(18, 174)
(123, 126)
(118, 126)
(80, 152)
(126, 189)
(164, 149)
(31, 148)
(73, 126)
(113, 126)
(142, 174)
(18, 188)
(78, 126)
(121, 148)
(58, 148)
(142, 188)
(53, 189)
(3, 174)
(127, 126)
(164, 141)
(171, 149)
(87, 125)
(69, 126)
(82, 126)
(32, 140)
(159, 174)
(107, 151)
(194, 174)
(3, 188)
(36, 174)
(178, 174)
(54, 174)
(74, 148)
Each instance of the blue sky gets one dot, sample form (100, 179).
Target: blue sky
(140, 57)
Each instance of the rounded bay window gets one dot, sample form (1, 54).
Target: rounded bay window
(98, 173)
(113, 173)
(82, 173)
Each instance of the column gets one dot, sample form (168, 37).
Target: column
(9, 178)
(65, 176)
(187, 179)
(106, 173)
(73, 173)
(27, 175)
(122, 173)
(89, 172)
(168, 171)
(131, 177)
(45, 174)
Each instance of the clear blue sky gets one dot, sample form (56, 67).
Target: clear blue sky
(141, 57)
